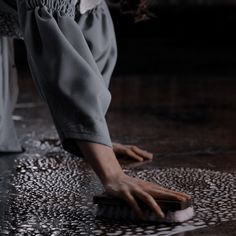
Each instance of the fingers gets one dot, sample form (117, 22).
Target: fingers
(179, 193)
(166, 195)
(134, 152)
(183, 195)
(134, 205)
(133, 155)
(170, 192)
(142, 153)
(161, 192)
(150, 201)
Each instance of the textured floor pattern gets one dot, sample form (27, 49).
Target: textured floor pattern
(52, 195)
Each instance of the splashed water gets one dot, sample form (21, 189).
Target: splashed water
(52, 195)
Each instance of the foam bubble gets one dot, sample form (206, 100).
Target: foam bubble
(52, 195)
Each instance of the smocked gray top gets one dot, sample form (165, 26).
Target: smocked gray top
(9, 25)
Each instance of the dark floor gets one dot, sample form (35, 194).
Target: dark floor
(188, 122)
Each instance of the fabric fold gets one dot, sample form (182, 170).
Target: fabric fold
(8, 93)
(65, 71)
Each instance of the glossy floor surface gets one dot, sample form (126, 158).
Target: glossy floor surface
(187, 122)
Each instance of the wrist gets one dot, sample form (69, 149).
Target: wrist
(103, 161)
(110, 177)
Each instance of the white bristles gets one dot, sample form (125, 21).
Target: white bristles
(181, 215)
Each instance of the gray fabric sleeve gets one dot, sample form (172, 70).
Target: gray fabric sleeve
(65, 71)
(104, 47)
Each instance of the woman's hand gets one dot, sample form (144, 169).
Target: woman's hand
(132, 152)
(130, 189)
(104, 162)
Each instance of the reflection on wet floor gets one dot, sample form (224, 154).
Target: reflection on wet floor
(52, 195)
(188, 123)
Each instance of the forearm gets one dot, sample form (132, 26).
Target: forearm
(102, 159)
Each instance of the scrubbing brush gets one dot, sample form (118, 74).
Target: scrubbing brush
(175, 211)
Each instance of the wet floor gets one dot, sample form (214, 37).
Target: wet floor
(187, 122)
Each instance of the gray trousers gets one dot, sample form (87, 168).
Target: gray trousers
(71, 58)
(8, 95)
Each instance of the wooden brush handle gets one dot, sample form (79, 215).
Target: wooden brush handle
(165, 204)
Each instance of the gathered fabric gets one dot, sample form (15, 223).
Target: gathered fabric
(9, 23)
(65, 7)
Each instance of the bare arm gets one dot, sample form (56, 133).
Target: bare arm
(104, 162)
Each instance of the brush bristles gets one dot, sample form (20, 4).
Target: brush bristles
(125, 213)
(114, 208)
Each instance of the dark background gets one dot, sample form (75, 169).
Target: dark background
(197, 38)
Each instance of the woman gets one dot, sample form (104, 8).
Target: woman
(72, 52)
